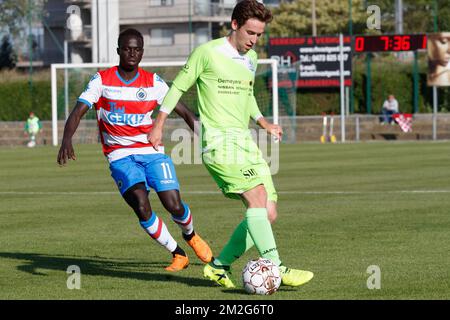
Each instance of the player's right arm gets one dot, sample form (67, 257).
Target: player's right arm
(90, 95)
(195, 65)
(66, 151)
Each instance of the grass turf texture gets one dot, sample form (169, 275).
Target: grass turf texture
(342, 208)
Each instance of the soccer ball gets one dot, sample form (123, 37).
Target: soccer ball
(31, 144)
(261, 276)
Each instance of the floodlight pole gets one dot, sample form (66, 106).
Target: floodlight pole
(399, 16)
(368, 83)
(350, 32)
(342, 78)
(313, 18)
(416, 82)
(435, 90)
(30, 53)
(435, 110)
(190, 25)
(54, 106)
(66, 81)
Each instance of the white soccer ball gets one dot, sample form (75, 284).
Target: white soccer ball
(261, 276)
(31, 144)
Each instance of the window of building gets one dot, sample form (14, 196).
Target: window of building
(161, 37)
(160, 3)
(201, 36)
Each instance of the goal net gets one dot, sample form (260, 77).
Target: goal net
(68, 81)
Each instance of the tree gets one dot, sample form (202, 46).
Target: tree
(427, 7)
(332, 16)
(418, 15)
(8, 57)
(16, 15)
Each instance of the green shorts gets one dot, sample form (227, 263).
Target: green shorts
(237, 165)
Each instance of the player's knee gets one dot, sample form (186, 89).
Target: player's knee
(176, 208)
(272, 216)
(261, 196)
(142, 208)
(143, 212)
(272, 211)
(172, 202)
(256, 198)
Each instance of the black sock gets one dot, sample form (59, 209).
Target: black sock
(179, 251)
(188, 237)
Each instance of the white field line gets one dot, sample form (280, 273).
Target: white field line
(218, 192)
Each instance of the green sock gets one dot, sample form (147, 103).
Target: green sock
(261, 232)
(239, 243)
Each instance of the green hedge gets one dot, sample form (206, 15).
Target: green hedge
(16, 104)
(387, 76)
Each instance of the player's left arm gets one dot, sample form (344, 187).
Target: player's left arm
(255, 113)
(189, 117)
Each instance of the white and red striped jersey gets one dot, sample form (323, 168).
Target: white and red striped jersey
(124, 110)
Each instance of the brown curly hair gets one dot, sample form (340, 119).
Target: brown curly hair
(248, 9)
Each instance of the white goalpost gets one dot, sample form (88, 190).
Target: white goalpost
(272, 63)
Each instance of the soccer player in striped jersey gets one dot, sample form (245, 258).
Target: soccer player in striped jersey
(224, 72)
(124, 98)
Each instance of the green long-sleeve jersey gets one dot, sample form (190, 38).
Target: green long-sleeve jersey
(224, 80)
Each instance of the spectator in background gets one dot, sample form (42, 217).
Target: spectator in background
(32, 127)
(390, 107)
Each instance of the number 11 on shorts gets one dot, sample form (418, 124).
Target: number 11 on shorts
(166, 170)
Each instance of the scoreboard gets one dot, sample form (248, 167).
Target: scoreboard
(387, 43)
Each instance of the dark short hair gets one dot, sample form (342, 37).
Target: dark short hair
(129, 32)
(248, 9)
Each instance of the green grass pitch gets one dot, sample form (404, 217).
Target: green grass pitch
(342, 208)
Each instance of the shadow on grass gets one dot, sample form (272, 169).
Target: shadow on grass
(98, 266)
(242, 291)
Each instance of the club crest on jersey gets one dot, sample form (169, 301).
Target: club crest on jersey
(185, 68)
(141, 94)
(250, 66)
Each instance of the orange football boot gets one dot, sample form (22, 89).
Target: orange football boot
(201, 248)
(179, 263)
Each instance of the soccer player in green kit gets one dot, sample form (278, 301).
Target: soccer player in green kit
(224, 72)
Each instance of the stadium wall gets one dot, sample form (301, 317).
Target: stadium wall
(306, 129)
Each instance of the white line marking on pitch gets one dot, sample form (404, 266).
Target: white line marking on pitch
(218, 192)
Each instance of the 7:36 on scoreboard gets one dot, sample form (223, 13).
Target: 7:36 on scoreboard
(388, 43)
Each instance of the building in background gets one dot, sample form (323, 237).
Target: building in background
(171, 28)
(69, 21)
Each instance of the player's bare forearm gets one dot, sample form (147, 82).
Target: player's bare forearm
(189, 117)
(262, 122)
(155, 136)
(273, 129)
(66, 151)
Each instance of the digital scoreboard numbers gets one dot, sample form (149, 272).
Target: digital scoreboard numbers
(389, 43)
